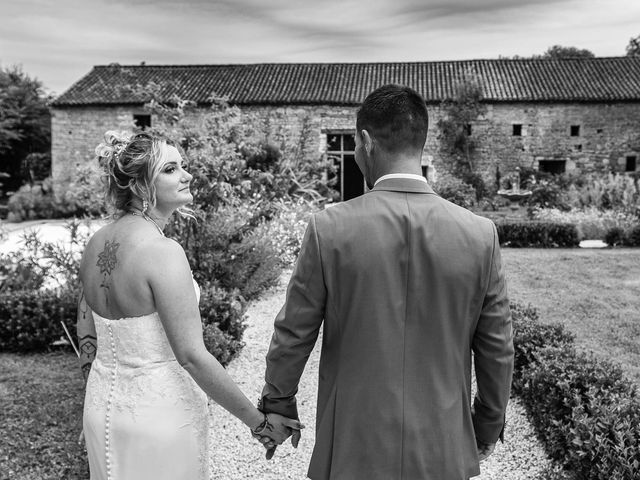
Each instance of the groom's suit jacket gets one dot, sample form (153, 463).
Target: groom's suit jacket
(408, 285)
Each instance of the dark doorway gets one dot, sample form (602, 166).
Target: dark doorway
(349, 182)
(142, 121)
(552, 166)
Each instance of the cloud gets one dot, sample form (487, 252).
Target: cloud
(56, 41)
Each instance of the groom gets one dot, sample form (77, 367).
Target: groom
(408, 285)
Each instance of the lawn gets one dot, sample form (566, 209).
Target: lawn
(41, 416)
(594, 293)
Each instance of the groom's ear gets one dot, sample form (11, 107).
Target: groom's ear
(367, 141)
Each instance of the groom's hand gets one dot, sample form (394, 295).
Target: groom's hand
(276, 430)
(270, 445)
(484, 449)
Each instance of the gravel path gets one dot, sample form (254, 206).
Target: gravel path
(235, 455)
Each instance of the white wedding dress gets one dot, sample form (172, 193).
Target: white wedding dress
(144, 416)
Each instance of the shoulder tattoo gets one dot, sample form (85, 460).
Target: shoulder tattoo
(107, 261)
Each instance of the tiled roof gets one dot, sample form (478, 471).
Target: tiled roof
(579, 80)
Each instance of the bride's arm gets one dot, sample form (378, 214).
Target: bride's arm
(175, 300)
(87, 338)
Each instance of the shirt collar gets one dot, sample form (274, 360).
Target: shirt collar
(401, 175)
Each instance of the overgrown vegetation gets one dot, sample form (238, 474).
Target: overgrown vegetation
(457, 143)
(252, 200)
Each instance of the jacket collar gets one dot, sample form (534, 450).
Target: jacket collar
(402, 185)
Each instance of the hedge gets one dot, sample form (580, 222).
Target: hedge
(616, 236)
(583, 409)
(537, 234)
(30, 320)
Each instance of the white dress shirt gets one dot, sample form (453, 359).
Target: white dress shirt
(401, 175)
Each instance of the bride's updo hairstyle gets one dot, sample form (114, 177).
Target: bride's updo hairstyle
(131, 163)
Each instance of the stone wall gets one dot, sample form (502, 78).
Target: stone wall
(75, 133)
(608, 133)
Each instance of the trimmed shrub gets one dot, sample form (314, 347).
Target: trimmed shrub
(537, 234)
(632, 237)
(530, 336)
(583, 409)
(30, 320)
(585, 412)
(614, 237)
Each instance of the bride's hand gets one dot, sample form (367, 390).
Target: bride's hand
(276, 430)
(279, 428)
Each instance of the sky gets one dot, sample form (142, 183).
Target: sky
(59, 41)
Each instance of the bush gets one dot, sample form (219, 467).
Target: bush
(537, 234)
(586, 413)
(614, 237)
(285, 229)
(546, 194)
(20, 273)
(30, 320)
(223, 247)
(223, 314)
(530, 336)
(607, 192)
(629, 237)
(590, 222)
(632, 236)
(31, 202)
(82, 197)
(455, 190)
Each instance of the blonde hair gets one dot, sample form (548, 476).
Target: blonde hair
(131, 163)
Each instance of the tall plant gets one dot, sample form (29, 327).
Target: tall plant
(240, 174)
(457, 142)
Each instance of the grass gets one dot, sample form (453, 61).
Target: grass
(41, 417)
(594, 293)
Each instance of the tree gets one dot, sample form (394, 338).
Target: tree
(25, 126)
(558, 52)
(633, 49)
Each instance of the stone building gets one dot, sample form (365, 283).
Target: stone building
(552, 115)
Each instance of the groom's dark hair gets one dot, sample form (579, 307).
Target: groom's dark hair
(396, 117)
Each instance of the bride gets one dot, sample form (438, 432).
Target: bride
(148, 372)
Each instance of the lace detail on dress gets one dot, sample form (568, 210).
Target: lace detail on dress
(137, 382)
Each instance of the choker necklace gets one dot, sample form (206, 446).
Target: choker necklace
(148, 218)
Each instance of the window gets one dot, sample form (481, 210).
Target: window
(467, 128)
(631, 163)
(552, 166)
(142, 121)
(349, 181)
(575, 130)
(517, 130)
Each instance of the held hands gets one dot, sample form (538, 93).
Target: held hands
(275, 430)
(484, 449)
